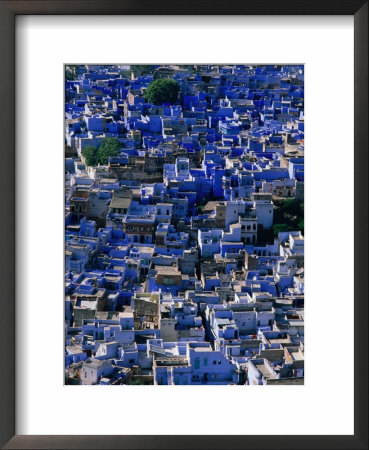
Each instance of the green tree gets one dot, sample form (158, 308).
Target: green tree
(109, 147)
(162, 91)
(278, 227)
(287, 204)
(69, 75)
(90, 153)
(143, 69)
(300, 226)
(125, 73)
(70, 72)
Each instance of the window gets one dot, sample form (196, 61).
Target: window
(205, 361)
(197, 363)
(214, 362)
(131, 361)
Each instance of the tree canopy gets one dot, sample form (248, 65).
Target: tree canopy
(143, 69)
(70, 72)
(109, 147)
(89, 152)
(94, 156)
(279, 227)
(162, 91)
(288, 215)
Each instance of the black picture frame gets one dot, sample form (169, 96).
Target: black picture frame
(8, 12)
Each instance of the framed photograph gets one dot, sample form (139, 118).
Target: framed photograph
(177, 179)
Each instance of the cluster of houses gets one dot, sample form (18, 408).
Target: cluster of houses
(173, 275)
